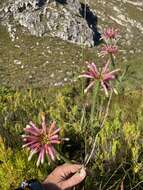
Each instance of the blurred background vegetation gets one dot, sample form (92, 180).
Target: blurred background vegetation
(117, 160)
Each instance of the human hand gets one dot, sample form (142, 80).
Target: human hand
(65, 177)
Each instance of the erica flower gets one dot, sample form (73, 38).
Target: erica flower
(110, 33)
(41, 140)
(104, 76)
(108, 49)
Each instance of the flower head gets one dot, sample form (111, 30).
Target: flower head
(41, 140)
(104, 76)
(108, 49)
(110, 33)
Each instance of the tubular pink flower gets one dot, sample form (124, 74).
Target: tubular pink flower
(41, 140)
(108, 49)
(104, 76)
(110, 33)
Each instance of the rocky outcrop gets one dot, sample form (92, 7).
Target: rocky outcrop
(67, 19)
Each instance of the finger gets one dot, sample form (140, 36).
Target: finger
(68, 169)
(74, 180)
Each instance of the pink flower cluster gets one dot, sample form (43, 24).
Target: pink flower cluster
(103, 76)
(110, 33)
(41, 140)
(108, 49)
(110, 37)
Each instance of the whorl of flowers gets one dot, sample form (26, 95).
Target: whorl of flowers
(110, 37)
(103, 76)
(41, 140)
(108, 49)
(110, 34)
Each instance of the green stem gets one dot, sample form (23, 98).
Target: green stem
(100, 127)
(83, 117)
(112, 60)
(95, 92)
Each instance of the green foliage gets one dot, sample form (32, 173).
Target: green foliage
(14, 167)
(118, 155)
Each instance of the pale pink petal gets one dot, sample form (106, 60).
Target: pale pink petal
(89, 86)
(54, 137)
(28, 144)
(44, 127)
(105, 68)
(55, 132)
(31, 154)
(51, 153)
(93, 68)
(42, 155)
(103, 53)
(105, 89)
(35, 145)
(34, 127)
(86, 76)
(52, 127)
(30, 138)
(114, 71)
(30, 130)
(55, 142)
(39, 160)
(108, 77)
(46, 148)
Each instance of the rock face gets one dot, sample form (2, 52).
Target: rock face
(59, 18)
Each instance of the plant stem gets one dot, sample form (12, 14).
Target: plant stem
(112, 60)
(83, 116)
(100, 127)
(95, 92)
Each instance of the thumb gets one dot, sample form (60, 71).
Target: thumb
(74, 180)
